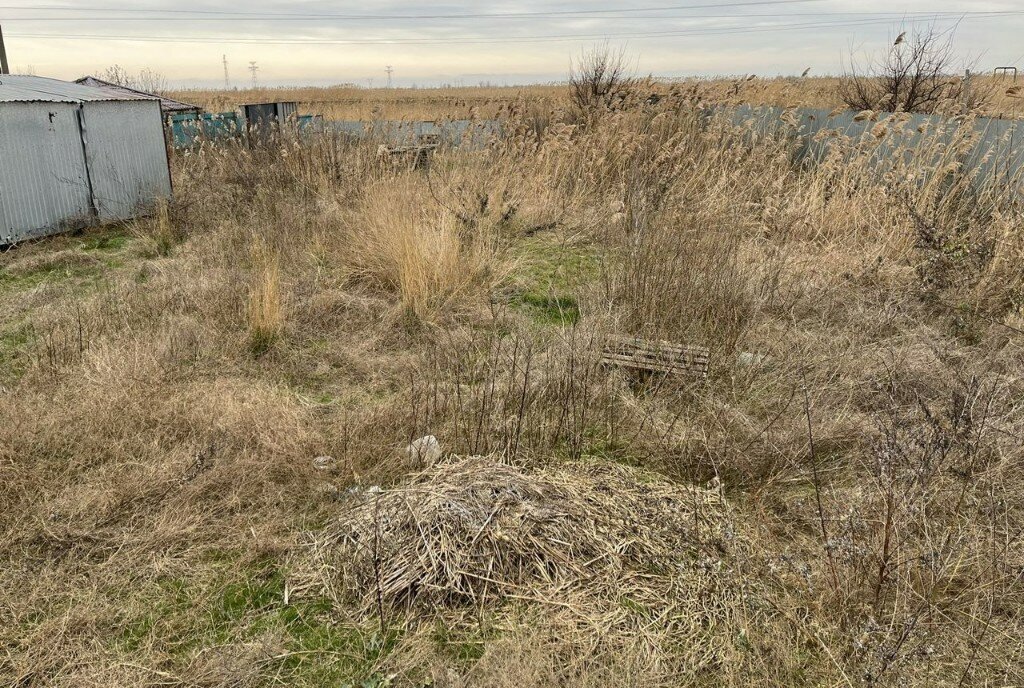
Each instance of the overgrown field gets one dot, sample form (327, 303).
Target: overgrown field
(204, 478)
(1003, 97)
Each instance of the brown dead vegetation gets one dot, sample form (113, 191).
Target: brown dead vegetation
(192, 401)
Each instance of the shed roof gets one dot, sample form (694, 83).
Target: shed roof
(127, 93)
(15, 88)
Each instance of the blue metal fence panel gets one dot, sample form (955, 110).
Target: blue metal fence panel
(189, 129)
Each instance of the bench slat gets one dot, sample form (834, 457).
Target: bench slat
(656, 356)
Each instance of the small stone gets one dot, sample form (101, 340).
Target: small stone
(749, 360)
(425, 451)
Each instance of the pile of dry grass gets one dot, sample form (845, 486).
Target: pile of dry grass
(603, 546)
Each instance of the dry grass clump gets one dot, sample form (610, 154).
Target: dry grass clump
(266, 317)
(161, 232)
(400, 241)
(519, 394)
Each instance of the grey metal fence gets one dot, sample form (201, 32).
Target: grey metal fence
(460, 132)
(991, 150)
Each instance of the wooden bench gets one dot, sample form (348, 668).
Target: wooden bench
(655, 356)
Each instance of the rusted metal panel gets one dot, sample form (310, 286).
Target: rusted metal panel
(43, 183)
(126, 156)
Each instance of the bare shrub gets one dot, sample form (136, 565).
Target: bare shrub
(146, 79)
(921, 546)
(600, 81)
(673, 267)
(515, 394)
(918, 74)
(682, 282)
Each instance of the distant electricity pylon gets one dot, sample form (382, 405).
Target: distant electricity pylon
(389, 69)
(253, 68)
(225, 59)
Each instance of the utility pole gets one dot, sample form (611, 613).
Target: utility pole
(253, 68)
(967, 89)
(389, 69)
(226, 84)
(4, 69)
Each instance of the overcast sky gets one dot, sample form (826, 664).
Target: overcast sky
(319, 42)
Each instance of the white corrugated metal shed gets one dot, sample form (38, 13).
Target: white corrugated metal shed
(17, 88)
(74, 156)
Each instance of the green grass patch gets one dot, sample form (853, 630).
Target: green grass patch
(62, 268)
(83, 260)
(105, 239)
(549, 264)
(550, 273)
(601, 448)
(15, 343)
(463, 646)
(551, 310)
(317, 647)
(321, 650)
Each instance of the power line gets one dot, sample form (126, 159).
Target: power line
(253, 67)
(550, 38)
(308, 18)
(229, 14)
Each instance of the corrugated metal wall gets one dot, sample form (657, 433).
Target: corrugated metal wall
(994, 156)
(60, 162)
(43, 185)
(127, 157)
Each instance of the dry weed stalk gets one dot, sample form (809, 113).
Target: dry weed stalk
(266, 312)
